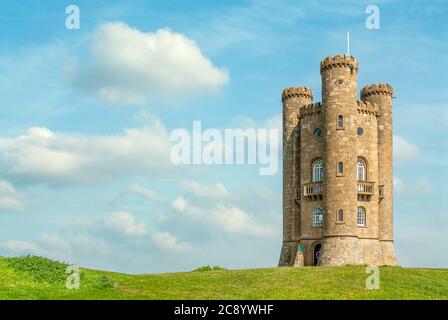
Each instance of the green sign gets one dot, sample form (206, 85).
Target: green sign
(300, 248)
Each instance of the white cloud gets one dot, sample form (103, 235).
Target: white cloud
(10, 198)
(245, 122)
(123, 223)
(417, 186)
(179, 204)
(83, 249)
(168, 242)
(130, 66)
(145, 192)
(54, 242)
(115, 239)
(219, 213)
(235, 220)
(217, 190)
(119, 222)
(40, 155)
(89, 243)
(47, 245)
(275, 122)
(404, 150)
(14, 247)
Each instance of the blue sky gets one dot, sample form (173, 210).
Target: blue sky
(86, 115)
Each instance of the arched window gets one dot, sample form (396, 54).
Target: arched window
(340, 215)
(318, 171)
(361, 216)
(318, 217)
(340, 122)
(340, 168)
(361, 170)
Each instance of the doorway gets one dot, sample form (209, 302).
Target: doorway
(316, 254)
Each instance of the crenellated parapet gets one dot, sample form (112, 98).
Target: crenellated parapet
(365, 107)
(309, 110)
(338, 61)
(299, 92)
(377, 89)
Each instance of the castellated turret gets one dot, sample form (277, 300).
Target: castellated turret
(337, 171)
(293, 99)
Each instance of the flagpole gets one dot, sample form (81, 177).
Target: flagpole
(348, 42)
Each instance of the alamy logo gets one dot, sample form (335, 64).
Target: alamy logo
(231, 147)
(73, 278)
(373, 281)
(373, 20)
(73, 21)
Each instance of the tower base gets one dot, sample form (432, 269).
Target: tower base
(388, 249)
(340, 251)
(372, 252)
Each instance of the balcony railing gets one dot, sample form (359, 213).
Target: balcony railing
(365, 189)
(313, 191)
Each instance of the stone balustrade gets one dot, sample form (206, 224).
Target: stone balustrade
(313, 191)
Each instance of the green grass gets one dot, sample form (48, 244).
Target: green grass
(40, 278)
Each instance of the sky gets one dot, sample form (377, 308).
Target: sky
(86, 117)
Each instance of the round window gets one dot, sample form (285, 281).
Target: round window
(317, 132)
(340, 82)
(360, 131)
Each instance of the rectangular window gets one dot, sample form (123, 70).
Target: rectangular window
(318, 217)
(340, 122)
(340, 169)
(318, 171)
(361, 217)
(341, 215)
(361, 221)
(361, 170)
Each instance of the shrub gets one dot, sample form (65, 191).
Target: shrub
(208, 268)
(41, 269)
(103, 282)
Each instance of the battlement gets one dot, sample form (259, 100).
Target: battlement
(299, 92)
(338, 61)
(377, 89)
(366, 107)
(310, 110)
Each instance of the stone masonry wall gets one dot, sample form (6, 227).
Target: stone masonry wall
(343, 242)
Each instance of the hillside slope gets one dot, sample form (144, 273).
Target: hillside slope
(30, 280)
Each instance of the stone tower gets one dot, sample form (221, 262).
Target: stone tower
(337, 171)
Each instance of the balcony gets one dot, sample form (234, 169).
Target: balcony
(366, 190)
(313, 191)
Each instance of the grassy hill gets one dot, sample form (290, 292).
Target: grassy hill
(39, 278)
